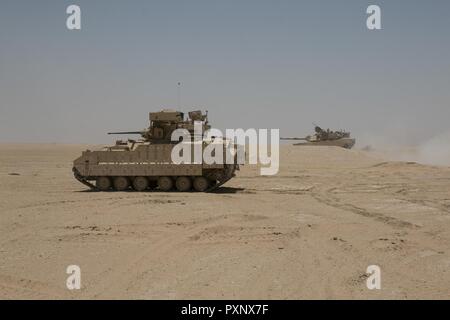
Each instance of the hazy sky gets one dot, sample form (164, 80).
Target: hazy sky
(252, 64)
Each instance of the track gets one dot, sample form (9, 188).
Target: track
(229, 173)
(82, 179)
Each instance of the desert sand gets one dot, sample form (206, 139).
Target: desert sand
(309, 232)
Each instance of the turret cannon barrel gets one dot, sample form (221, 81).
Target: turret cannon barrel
(129, 132)
(294, 138)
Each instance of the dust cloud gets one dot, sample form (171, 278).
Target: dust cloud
(436, 150)
(432, 151)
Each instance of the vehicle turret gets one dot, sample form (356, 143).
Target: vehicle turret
(164, 122)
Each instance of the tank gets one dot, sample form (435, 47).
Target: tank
(326, 137)
(146, 163)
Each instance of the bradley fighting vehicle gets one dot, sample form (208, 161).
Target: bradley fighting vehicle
(147, 163)
(327, 137)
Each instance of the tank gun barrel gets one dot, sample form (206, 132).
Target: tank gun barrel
(293, 138)
(128, 132)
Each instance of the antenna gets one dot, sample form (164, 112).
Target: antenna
(179, 94)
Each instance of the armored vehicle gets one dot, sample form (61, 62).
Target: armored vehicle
(147, 163)
(327, 137)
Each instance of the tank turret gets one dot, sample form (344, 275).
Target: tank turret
(164, 122)
(326, 137)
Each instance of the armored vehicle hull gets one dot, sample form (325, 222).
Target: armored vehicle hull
(346, 143)
(147, 166)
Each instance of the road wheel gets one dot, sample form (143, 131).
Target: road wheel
(121, 183)
(140, 183)
(103, 183)
(165, 183)
(183, 184)
(201, 184)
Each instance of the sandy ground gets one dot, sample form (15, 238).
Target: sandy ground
(309, 232)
